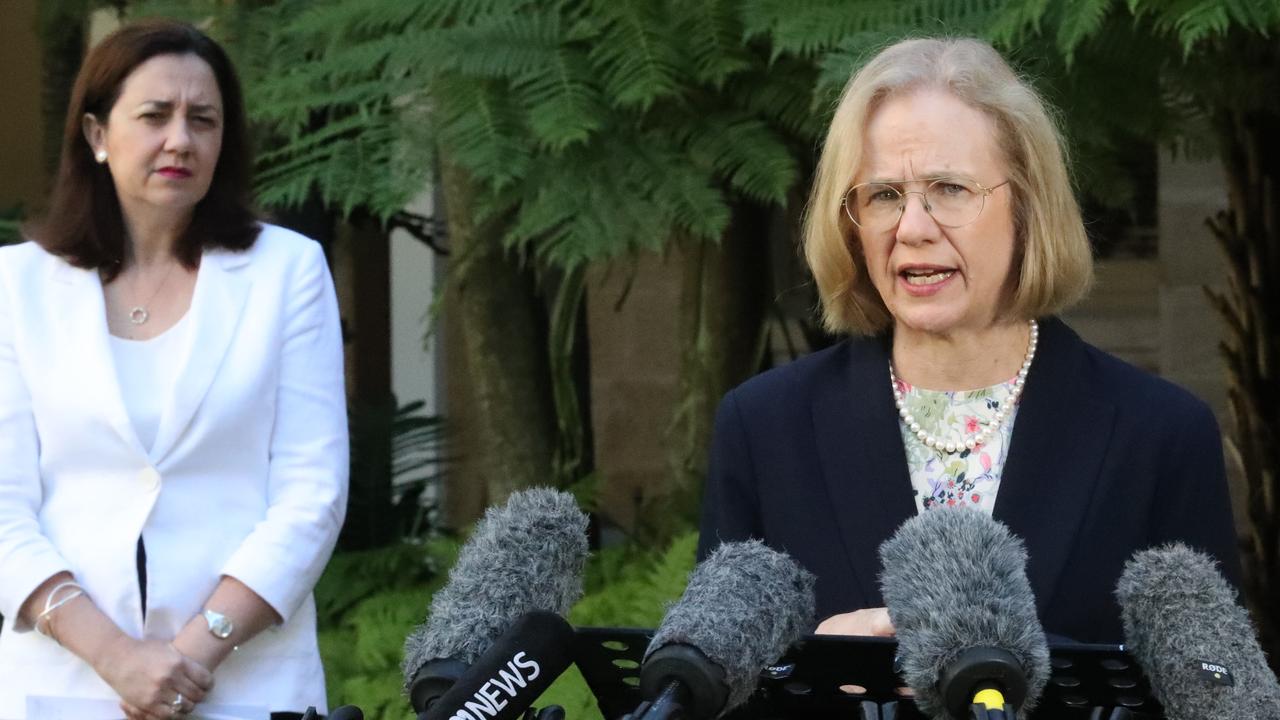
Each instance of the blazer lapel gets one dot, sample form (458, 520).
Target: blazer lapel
(1060, 439)
(216, 306)
(864, 464)
(85, 345)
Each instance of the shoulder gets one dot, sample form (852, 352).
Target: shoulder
(796, 383)
(27, 262)
(1137, 394)
(276, 242)
(277, 252)
(24, 256)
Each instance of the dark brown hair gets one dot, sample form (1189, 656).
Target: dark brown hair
(84, 224)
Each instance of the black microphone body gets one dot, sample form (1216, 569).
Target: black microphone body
(743, 607)
(1195, 643)
(969, 640)
(524, 557)
(504, 681)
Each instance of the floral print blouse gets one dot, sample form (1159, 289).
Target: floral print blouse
(969, 477)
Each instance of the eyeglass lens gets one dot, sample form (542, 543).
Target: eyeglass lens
(952, 202)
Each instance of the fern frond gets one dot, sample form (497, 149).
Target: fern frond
(564, 105)
(1193, 21)
(483, 132)
(1080, 20)
(746, 153)
(781, 92)
(635, 52)
(711, 34)
(505, 45)
(810, 28)
(1012, 24)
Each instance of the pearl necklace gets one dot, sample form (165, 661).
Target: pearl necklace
(981, 437)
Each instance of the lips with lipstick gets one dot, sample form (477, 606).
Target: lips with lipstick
(925, 276)
(174, 173)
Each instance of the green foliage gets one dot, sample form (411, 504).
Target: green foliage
(594, 128)
(367, 603)
(370, 601)
(11, 225)
(625, 587)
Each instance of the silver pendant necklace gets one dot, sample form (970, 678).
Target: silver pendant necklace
(986, 429)
(139, 314)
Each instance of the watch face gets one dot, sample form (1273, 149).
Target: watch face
(219, 624)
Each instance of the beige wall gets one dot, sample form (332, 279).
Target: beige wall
(21, 167)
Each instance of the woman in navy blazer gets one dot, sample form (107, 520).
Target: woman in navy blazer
(941, 227)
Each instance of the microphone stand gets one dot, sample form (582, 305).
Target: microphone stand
(668, 705)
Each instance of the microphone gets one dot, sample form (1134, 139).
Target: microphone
(1196, 645)
(523, 557)
(346, 712)
(743, 607)
(969, 641)
(512, 673)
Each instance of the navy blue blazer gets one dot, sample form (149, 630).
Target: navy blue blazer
(1105, 460)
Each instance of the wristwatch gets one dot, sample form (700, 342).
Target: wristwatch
(220, 625)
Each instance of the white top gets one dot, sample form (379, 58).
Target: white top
(146, 370)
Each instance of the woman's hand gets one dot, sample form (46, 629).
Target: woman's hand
(868, 621)
(149, 674)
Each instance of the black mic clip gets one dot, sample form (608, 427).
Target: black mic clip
(432, 681)
(981, 711)
(983, 669)
(550, 712)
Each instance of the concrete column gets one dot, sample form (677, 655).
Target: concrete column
(1190, 191)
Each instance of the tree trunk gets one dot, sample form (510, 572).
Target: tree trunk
(366, 255)
(1249, 233)
(503, 324)
(62, 43)
(724, 298)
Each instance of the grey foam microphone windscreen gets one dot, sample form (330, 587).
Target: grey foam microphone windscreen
(955, 579)
(1195, 643)
(526, 555)
(743, 607)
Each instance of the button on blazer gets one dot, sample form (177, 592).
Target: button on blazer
(247, 476)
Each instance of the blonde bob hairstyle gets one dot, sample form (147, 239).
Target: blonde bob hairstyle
(1052, 259)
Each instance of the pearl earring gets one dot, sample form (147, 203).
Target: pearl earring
(100, 156)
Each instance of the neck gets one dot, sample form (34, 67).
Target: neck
(152, 238)
(962, 360)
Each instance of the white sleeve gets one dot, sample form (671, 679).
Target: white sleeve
(283, 556)
(27, 558)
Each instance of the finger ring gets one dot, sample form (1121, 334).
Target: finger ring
(177, 704)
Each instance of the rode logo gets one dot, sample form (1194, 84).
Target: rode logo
(1216, 674)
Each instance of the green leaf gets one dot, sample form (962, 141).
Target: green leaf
(635, 52)
(1082, 19)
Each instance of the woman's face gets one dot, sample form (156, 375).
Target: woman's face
(933, 278)
(163, 136)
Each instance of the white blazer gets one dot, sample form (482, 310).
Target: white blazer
(247, 476)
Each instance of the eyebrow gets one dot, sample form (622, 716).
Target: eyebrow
(168, 105)
(927, 177)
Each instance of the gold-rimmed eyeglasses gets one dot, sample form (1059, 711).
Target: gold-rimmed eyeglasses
(952, 202)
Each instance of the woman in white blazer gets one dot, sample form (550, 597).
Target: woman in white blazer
(173, 440)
